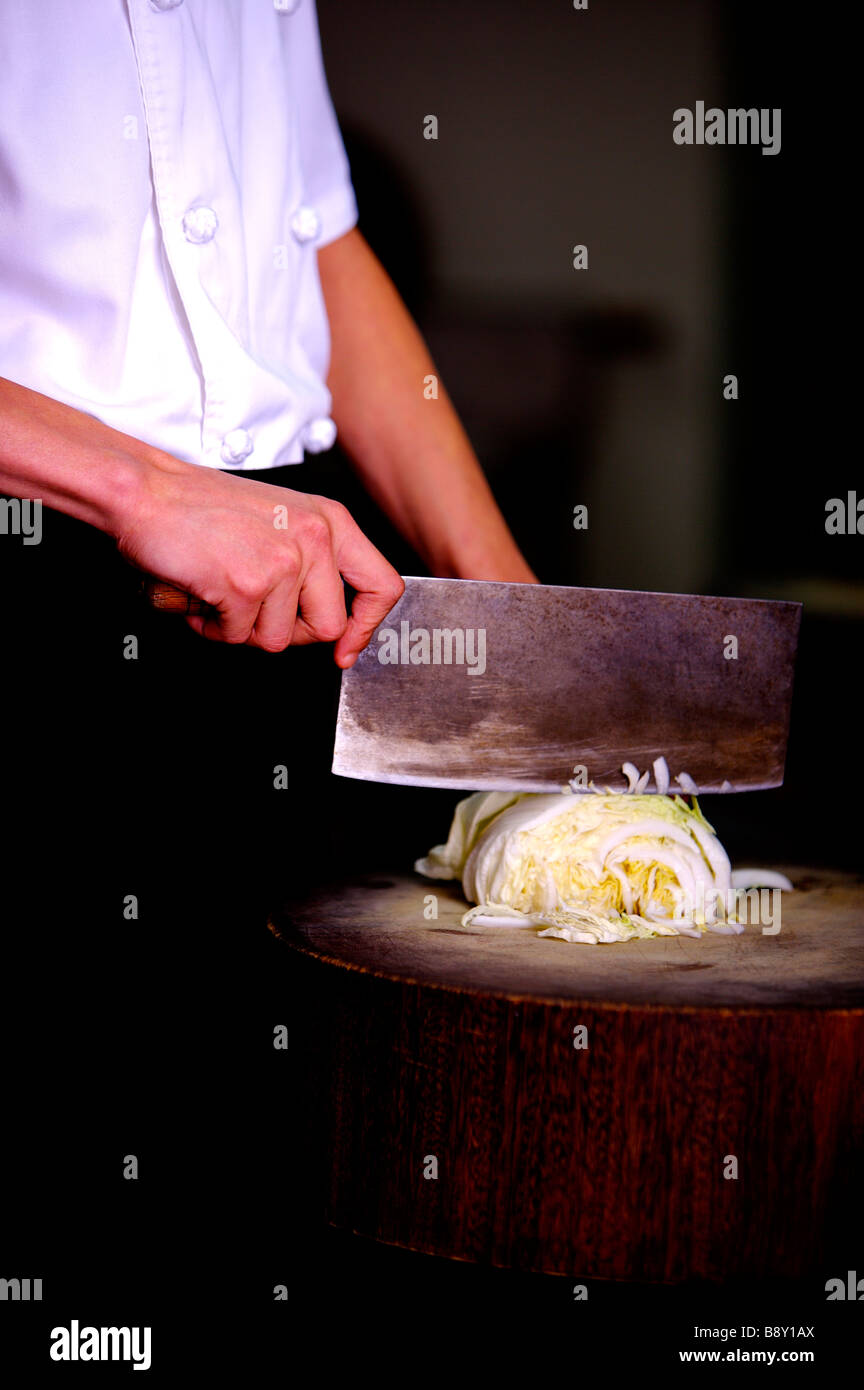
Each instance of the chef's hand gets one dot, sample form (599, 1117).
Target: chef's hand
(269, 561)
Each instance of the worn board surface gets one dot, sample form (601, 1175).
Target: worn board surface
(581, 1103)
(376, 924)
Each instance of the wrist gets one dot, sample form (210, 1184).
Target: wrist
(499, 570)
(498, 559)
(133, 485)
(73, 463)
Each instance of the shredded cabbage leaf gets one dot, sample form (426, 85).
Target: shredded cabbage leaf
(591, 869)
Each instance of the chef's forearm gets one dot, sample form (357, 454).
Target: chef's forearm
(66, 459)
(411, 452)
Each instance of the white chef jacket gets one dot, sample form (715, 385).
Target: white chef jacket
(167, 170)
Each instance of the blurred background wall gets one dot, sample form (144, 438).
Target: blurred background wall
(554, 128)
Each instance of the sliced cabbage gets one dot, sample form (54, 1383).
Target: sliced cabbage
(470, 820)
(598, 868)
(742, 879)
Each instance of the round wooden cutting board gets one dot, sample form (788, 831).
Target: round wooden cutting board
(654, 1110)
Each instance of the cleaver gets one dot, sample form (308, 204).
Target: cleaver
(476, 685)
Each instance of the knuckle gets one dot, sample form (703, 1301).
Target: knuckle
(336, 512)
(395, 588)
(331, 627)
(316, 531)
(248, 585)
(290, 565)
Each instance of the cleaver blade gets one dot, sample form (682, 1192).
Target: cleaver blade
(474, 684)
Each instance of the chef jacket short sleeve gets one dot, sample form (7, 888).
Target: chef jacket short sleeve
(168, 171)
(323, 162)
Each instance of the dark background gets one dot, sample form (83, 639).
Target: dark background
(155, 777)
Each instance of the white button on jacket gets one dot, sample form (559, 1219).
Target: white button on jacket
(199, 225)
(305, 224)
(319, 435)
(168, 170)
(237, 446)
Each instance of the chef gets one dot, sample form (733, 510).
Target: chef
(187, 308)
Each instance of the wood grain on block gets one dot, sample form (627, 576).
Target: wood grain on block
(416, 1038)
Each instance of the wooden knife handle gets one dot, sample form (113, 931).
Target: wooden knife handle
(169, 599)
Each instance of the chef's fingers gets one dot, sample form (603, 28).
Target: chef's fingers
(378, 586)
(322, 616)
(232, 621)
(277, 616)
(368, 608)
(311, 611)
(301, 599)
